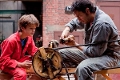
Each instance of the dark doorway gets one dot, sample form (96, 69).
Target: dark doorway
(35, 7)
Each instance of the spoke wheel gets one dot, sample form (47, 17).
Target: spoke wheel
(47, 63)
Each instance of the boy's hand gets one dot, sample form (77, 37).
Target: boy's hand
(26, 64)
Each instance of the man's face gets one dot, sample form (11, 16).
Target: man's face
(82, 17)
(29, 30)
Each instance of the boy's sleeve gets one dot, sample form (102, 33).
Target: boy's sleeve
(5, 60)
(32, 49)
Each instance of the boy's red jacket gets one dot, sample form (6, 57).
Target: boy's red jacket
(12, 51)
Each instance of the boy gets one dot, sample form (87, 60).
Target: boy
(13, 59)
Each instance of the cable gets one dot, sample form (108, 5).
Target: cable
(87, 44)
(66, 70)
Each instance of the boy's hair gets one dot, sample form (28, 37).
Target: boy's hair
(26, 20)
(81, 5)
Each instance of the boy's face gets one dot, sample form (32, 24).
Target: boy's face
(29, 30)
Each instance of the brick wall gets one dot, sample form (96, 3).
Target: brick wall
(54, 18)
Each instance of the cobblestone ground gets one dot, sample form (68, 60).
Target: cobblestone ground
(71, 77)
(99, 77)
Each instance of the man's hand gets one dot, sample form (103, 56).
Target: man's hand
(65, 33)
(70, 40)
(26, 64)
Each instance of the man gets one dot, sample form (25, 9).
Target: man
(99, 28)
(13, 59)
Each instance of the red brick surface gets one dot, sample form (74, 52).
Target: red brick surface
(54, 14)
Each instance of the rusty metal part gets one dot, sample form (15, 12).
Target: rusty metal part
(47, 63)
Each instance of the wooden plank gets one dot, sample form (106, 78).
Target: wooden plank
(4, 76)
(109, 71)
(70, 70)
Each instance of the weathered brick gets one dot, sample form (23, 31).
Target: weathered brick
(54, 14)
